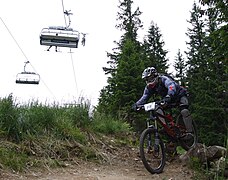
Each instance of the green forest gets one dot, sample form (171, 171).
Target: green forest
(35, 134)
(204, 71)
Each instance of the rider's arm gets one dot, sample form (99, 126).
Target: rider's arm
(146, 95)
(171, 86)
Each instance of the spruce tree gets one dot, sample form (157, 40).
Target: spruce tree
(197, 67)
(155, 54)
(180, 68)
(196, 60)
(205, 74)
(220, 6)
(217, 57)
(124, 82)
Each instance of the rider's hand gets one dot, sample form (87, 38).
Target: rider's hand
(134, 107)
(167, 99)
(163, 103)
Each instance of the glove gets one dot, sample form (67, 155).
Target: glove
(165, 100)
(134, 107)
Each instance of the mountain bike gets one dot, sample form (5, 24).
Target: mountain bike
(160, 127)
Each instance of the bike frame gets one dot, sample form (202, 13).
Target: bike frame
(167, 125)
(161, 122)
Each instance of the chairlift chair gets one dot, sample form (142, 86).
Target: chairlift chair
(27, 77)
(59, 37)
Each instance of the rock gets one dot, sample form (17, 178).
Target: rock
(203, 154)
(215, 152)
(198, 151)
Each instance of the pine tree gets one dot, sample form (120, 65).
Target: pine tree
(155, 54)
(180, 68)
(205, 74)
(124, 82)
(196, 59)
(197, 67)
(220, 6)
(217, 51)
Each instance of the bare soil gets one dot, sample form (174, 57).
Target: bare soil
(123, 163)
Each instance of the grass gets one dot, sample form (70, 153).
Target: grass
(108, 125)
(35, 134)
(41, 135)
(11, 157)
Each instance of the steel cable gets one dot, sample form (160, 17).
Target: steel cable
(25, 56)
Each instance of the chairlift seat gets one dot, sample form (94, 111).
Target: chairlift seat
(59, 36)
(27, 78)
(60, 28)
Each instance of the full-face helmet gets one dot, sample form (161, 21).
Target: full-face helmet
(150, 74)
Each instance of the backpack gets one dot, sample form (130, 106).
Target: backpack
(169, 76)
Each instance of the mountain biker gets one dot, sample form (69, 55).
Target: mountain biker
(169, 90)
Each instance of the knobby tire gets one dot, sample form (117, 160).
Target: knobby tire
(149, 159)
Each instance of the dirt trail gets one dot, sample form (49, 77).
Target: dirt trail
(125, 165)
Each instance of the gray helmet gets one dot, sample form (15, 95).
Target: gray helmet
(149, 72)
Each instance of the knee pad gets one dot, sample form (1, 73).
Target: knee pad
(187, 119)
(185, 112)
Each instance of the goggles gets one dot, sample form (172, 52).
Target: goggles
(150, 79)
(151, 82)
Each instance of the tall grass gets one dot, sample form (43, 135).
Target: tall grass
(35, 131)
(9, 124)
(108, 125)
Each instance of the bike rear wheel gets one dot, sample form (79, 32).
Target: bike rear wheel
(187, 140)
(152, 155)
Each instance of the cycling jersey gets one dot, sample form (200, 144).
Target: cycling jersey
(166, 86)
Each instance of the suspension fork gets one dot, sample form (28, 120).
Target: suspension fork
(156, 135)
(157, 139)
(149, 135)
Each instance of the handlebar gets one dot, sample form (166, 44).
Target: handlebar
(155, 105)
(148, 106)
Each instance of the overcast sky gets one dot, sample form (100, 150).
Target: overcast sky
(65, 77)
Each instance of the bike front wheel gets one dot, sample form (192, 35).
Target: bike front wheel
(152, 151)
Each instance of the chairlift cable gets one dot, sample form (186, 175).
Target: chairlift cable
(63, 13)
(48, 88)
(75, 79)
(44, 82)
(14, 39)
(72, 62)
(60, 36)
(25, 55)
(17, 43)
